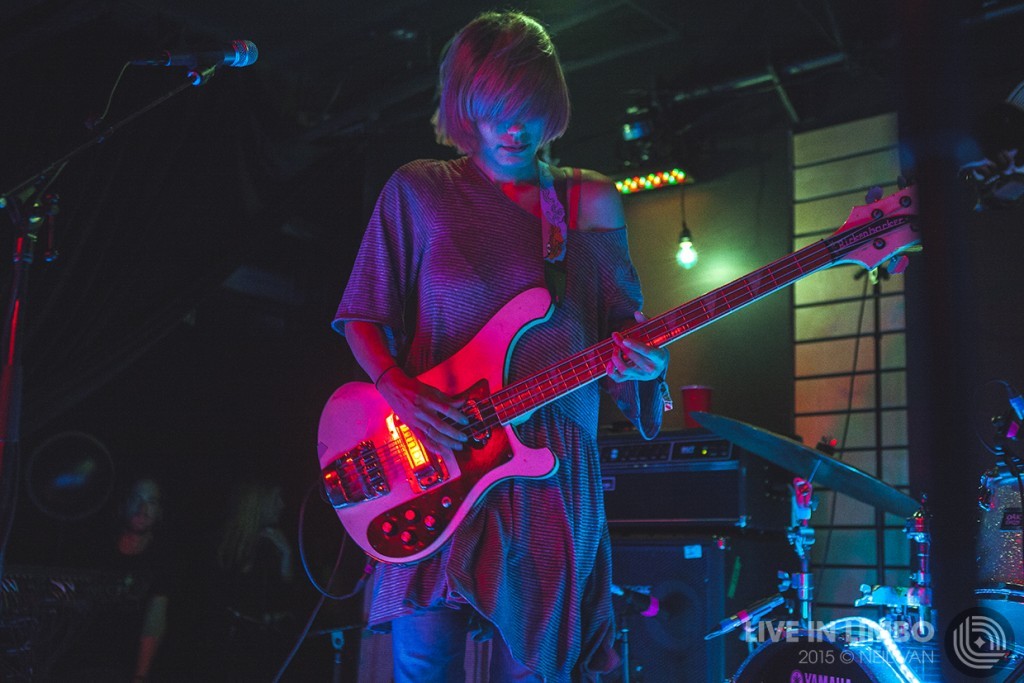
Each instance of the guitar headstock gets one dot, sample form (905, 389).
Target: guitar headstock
(879, 232)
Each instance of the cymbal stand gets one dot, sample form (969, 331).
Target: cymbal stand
(801, 537)
(918, 529)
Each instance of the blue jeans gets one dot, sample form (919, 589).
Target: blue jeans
(429, 646)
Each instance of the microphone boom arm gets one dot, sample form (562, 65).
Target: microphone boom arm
(29, 194)
(40, 177)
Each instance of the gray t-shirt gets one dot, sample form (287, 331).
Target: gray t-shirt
(444, 250)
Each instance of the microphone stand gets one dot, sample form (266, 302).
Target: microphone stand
(624, 637)
(30, 207)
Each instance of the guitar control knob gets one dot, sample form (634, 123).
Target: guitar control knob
(411, 515)
(446, 502)
(408, 538)
(430, 521)
(388, 528)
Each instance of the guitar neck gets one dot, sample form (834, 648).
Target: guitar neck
(525, 396)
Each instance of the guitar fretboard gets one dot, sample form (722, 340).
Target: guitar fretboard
(589, 365)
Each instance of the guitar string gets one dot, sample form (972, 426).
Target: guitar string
(736, 293)
(587, 366)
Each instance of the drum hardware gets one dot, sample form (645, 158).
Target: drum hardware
(882, 659)
(801, 537)
(876, 633)
(909, 613)
(918, 595)
(1008, 601)
(813, 465)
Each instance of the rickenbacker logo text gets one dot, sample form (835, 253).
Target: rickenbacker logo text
(858, 237)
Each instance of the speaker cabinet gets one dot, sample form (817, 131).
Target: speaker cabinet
(698, 581)
(687, 578)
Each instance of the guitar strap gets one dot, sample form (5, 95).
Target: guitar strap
(574, 198)
(553, 195)
(555, 227)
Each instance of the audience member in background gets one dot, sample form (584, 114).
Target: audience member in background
(255, 587)
(122, 633)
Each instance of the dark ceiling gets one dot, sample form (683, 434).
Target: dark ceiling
(338, 71)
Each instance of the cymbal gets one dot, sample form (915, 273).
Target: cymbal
(804, 461)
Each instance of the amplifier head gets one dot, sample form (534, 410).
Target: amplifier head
(690, 478)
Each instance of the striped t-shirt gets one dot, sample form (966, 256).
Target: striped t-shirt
(443, 251)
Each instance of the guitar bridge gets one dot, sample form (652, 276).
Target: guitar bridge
(355, 476)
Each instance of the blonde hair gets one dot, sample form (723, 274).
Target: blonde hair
(243, 523)
(501, 66)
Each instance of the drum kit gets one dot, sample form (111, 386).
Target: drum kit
(903, 645)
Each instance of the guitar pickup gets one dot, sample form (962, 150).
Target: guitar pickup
(425, 469)
(355, 476)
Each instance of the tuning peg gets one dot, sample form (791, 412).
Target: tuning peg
(897, 264)
(873, 195)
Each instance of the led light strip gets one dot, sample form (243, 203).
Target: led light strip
(651, 181)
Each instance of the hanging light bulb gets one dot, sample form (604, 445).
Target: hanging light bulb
(687, 255)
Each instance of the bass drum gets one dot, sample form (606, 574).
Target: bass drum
(804, 656)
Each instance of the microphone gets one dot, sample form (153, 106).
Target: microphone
(238, 54)
(754, 611)
(646, 604)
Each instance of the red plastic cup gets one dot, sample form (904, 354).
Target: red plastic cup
(695, 397)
